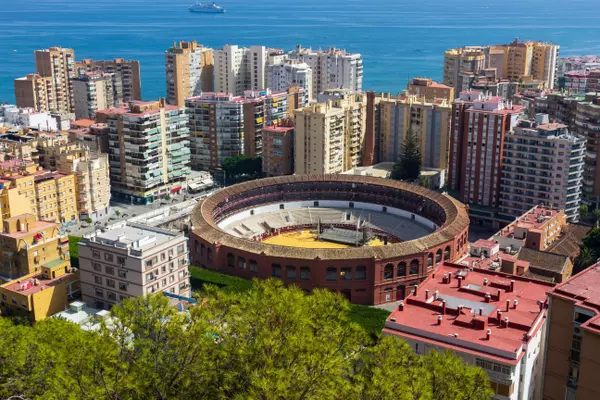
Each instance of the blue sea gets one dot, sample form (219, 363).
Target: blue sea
(398, 39)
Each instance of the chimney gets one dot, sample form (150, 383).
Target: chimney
(499, 294)
(481, 311)
(443, 307)
(416, 290)
(460, 308)
(433, 275)
(499, 316)
(488, 334)
(436, 295)
(445, 278)
(507, 304)
(449, 277)
(506, 322)
(439, 319)
(460, 278)
(488, 297)
(426, 294)
(512, 285)
(401, 306)
(485, 282)
(516, 303)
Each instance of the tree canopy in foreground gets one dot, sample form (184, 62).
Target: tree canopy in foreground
(270, 342)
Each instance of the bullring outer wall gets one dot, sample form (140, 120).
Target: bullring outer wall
(214, 249)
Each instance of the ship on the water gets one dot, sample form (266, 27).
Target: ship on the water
(206, 8)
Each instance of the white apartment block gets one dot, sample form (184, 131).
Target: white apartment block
(11, 115)
(543, 164)
(332, 68)
(133, 260)
(237, 69)
(289, 73)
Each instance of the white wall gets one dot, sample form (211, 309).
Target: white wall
(270, 208)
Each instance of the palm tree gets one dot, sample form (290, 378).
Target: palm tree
(584, 260)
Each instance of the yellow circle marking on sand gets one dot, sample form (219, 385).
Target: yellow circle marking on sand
(308, 240)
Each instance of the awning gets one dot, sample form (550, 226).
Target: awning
(176, 189)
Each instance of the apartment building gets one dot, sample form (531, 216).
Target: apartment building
(320, 139)
(13, 116)
(92, 91)
(429, 120)
(237, 69)
(430, 90)
(278, 149)
(354, 106)
(290, 73)
(91, 172)
(131, 261)
(189, 70)
(224, 125)
(573, 345)
(49, 195)
(149, 153)
(488, 319)
(587, 124)
(463, 60)
(514, 62)
(90, 134)
(125, 75)
(332, 68)
(58, 64)
(40, 295)
(580, 82)
(542, 164)
(478, 128)
(577, 63)
(28, 243)
(35, 91)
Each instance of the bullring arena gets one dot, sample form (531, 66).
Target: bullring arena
(368, 238)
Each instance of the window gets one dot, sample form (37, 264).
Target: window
(447, 253)
(99, 292)
(109, 270)
(414, 267)
(241, 263)
(230, 260)
(97, 267)
(438, 256)
(180, 248)
(361, 273)
(110, 283)
(96, 254)
(346, 274)
(253, 266)
(148, 263)
(123, 286)
(401, 269)
(202, 249)
(305, 273)
(290, 272)
(122, 273)
(430, 260)
(163, 256)
(331, 274)
(111, 296)
(276, 270)
(108, 257)
(120, 260)
(388, 271)
(98, 280)
(576, 348)
(281, 206)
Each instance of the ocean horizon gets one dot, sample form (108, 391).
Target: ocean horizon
(398, 39)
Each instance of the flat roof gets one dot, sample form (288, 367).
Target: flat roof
(466, 330)
(583, 290)
(33, 284)
(134, 236)
(37, 227)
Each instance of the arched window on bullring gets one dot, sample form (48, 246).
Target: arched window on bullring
(414, 267)
(447, 253)
(438, 257)
(401, 269)
(429, 260)
(388, 271)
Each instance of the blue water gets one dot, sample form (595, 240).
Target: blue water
(397, 38)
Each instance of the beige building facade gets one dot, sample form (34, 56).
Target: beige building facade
(92, 91)
(189, 70)
(125, 75)
(132, 261)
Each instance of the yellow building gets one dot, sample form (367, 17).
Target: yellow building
(40, 295)
(469, 59)
(428, 119)
(26, 188)
(27, 244)
(189, 68)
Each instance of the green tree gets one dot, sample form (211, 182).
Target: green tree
(74, 250)
(238, 165)
(596, 214)
(583, 211)
(408, 166)
(584, 260)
